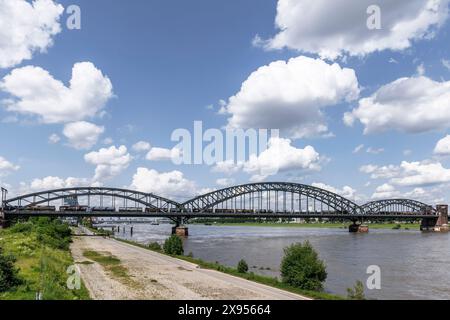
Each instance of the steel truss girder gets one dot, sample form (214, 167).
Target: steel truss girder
(381, 205)
(331, 199)
(146, 199)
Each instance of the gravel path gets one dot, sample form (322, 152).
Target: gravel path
(159, 277)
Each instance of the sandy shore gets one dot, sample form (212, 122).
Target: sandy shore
(159, 277)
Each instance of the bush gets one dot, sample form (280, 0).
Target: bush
(155, 246)
(174, 246)
(302, 268)
(242, 266)
(9, 278)
(51, 232)
(357, 292)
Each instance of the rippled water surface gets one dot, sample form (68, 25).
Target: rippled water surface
(414, 265)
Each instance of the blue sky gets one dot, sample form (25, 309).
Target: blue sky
(168, 61)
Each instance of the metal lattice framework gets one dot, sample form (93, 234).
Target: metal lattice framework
(330, 199)
(47, 197)
(256, 199)
(397, 205)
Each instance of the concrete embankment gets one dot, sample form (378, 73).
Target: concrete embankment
(155, 276)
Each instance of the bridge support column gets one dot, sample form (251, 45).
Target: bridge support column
(439, 224)
(3, 223)
(358, 228)
(180, 229)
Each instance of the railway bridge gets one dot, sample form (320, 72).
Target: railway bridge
(256, 200)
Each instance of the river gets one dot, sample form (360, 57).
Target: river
(414, 265)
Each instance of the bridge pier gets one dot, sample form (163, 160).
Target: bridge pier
(434, 224)
(180, 229)
(358, 228)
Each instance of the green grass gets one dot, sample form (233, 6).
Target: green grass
(112, 265)
(42, 266)
(105, 259)
(266, 280)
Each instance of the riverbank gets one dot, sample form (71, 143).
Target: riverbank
(43, 258)
(409, 226)
(149, 275)
(251, 276)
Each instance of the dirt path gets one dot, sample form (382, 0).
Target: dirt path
(159, 277)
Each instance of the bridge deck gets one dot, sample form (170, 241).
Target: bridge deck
(189, 215)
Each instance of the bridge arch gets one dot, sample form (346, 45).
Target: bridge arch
(49, 196)
(397, 205)
(296, 191)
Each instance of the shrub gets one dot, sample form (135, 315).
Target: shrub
(51, 232)
(24, 227)
(174, 245)
(242, 266)
(357, 292)
(155, 246)
(302, 268)
(9, 278)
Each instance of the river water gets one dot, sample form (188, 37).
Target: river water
(414, 265)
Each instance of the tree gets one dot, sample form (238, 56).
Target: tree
(357, 292)
(242, 266)
(8, 272)
(174, 245)
(302, 268)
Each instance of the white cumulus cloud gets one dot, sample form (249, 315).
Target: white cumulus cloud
(422, 174)
(346, 192)
(291, 96)
(410, 174)
(443, 146)
(82, 134)
(54, 138)
(141, 146)
(411, 105)
(50, 182)
(171, 184)
(280, 156)
(334, 28)
(225, 182)
(7, 167)
(162, 154)
(85, 97)
(385, 191)
(109, 162)
(27, 27)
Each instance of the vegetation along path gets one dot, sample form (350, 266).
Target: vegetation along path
(115, 270)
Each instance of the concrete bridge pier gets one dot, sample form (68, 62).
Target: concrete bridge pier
(434, 224)
(180, 229)
(356, 227)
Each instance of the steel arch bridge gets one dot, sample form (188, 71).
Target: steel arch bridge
(270, 200)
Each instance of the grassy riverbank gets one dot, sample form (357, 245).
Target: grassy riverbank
(409, 226)
(266, 280)
(41, 249)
